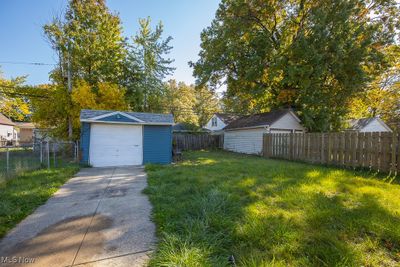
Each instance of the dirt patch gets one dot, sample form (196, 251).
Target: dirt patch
(58, 244)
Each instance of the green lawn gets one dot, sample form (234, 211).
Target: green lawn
(271, 213)
(21, 195)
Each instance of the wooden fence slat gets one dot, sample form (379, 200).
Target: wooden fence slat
(377, 151)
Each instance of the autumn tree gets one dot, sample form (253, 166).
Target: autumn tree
(310, 55)
(180, 100)
(91, 51)
(207, 103)
(382, 95)
(13, 103)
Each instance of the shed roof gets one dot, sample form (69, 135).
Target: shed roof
(227, 118)
(6, 121)
(87, 114)
(260, 119)
(359, 124)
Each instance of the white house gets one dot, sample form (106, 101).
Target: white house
(219, 121)
(8, 131)
(368, 125)
(245, 135)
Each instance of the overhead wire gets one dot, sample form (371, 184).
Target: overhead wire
(27, 63)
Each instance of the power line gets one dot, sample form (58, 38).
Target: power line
(27, 63)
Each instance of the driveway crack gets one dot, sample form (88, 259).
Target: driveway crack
(91, 220)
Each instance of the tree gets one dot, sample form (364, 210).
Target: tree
(147, 67)
(310, 55)
(91, 49)
(53, 111)
(13, 103)
(90, 38)
(382, 96)
(180, 100)
(207, 103)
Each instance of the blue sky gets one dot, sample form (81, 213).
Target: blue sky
(22, 37)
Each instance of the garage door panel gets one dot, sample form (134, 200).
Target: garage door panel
(116, 145)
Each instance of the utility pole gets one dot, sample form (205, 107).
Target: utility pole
(69, 91)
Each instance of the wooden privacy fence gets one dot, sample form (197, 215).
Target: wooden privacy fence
(376, 151)
(197, 141)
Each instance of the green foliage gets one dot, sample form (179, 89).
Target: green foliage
(179, 100)
(382, 96)
(89, 36)
(207, 103)
(271, 213)
(20, 196)
(13, 103)
(311, 55)
(147, 67)
(107, 72)
(188, 103)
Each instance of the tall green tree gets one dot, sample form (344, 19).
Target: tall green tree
(147, 66)
(89, 38)
(90, 47)
(311, 55)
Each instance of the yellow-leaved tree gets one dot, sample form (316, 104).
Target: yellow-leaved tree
(52, 112)
(382, 96)
(13, 104)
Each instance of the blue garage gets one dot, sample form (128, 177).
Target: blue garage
(117, 138)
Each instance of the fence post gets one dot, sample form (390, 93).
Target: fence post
(393, 158)
(8, 159)
(76, 159)
(41, 152)
(48, 154)
(290, 152)
(54, 155)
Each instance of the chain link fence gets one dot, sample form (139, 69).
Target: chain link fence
(17, 159)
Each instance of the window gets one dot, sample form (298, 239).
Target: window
(214, 121)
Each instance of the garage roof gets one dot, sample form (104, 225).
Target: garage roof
(145, 118)
(261, 119)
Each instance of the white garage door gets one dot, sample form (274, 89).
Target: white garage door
(115, 145)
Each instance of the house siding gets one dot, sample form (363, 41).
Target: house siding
(220, 124)
(286, 124)
(248, 141)
(85, 142)
(5, 130)
(157, 144)
(374, 126)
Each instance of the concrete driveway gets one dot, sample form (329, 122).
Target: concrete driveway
(98, 218)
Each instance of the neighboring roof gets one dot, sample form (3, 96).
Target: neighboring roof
(261, 119)
(5, 121)
(227, 118)
(88, 114)
(359, 124)
(25, 125)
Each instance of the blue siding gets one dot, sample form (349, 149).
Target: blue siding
(85, 142)
(157, 144)
(117, 117)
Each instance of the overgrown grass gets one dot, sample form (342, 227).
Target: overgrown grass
(21, 195)
(271, 213)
